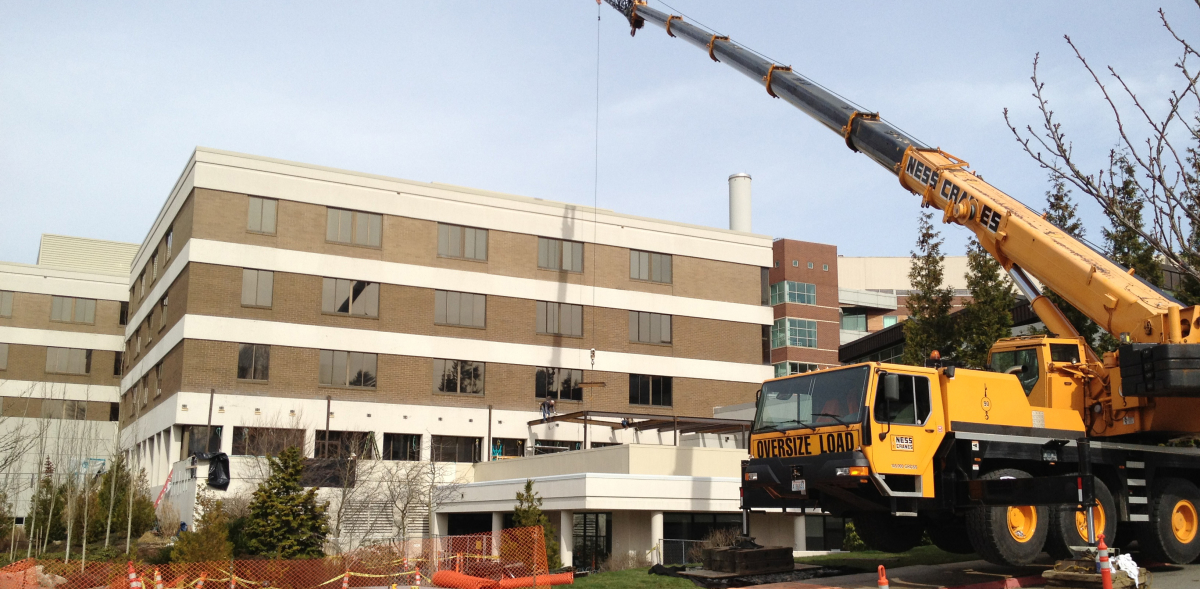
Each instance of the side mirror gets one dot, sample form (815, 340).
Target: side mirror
(891, 387)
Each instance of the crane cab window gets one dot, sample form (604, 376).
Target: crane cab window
(913, 406)
(1065, 353)
(1022, 363)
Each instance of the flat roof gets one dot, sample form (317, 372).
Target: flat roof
(644, 421)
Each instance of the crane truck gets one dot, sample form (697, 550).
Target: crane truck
(985, 461)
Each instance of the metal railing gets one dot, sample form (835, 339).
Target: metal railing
(678, 552)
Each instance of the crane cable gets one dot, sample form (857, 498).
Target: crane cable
(596, 187)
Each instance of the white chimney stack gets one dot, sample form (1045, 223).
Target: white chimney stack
(739, 202)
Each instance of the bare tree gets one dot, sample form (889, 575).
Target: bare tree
(1167, 162)
(416, 489)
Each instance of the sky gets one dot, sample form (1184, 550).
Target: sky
(101, 104)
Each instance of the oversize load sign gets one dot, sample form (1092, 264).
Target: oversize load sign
(809, 445)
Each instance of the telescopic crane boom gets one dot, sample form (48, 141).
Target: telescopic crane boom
(1022, 241)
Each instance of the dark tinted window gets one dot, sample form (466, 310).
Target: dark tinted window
(913, 406)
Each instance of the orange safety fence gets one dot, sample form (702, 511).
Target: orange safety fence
(513, 554)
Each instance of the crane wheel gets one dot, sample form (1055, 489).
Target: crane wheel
(888, 533)
(1068, 525)
(950, 535)
(1173, 533)
(1012, 535)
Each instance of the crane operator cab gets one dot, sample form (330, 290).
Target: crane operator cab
(1051, 370)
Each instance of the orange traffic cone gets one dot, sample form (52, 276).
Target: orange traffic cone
(883, 582)
(346, 580)
(200, 583)
(157, 579)
(134, 581)
(1105, 566)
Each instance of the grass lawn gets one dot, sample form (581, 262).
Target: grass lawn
(869, 559)
(633, 579)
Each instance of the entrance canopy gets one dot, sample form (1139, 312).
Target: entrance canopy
(642, 421)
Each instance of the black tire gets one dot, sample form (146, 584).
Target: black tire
(1156, 539)
(988, 528)
(888, 533)
(1064, 528)
(950, 535)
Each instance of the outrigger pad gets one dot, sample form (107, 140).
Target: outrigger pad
(1160, 370)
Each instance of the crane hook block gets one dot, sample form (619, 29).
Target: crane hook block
(771, 72)
(711, 42)
(669, 19)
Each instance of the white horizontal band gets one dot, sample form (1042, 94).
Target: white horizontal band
(226, 329)
(36, 389)
(61, 339)
(62, 283)
(297, 262)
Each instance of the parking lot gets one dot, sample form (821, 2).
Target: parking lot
(980, 575)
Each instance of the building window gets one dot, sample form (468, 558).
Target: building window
(349, 297)
(649, 390)
(348, 369)
(793, 292)
(458, 376)
(68, 360)
(560, 319)
(157, 380)
(6, 302)
(197, 439)
(800, 333)
(266, 441)
(825, 267)
(142, 285)
(261, 217)
(257, 287)
(650, 266)
(72, 310)
(856, 322)
(343, 444)
(153, 267)
(649, 328)
(559, 383)
(162, 316)
(508, 447)
(786, 368)
(455, 241)
(454, 448)
(254, 362)
(765, 286)
(559, 254)
(4, 357)
(405, 447)
(810, 265)
(169, 242)
(63, 409)
(889, 320)
(459, 308)
(118, 362)
(124, 317)
(795, 263)
(354, 227)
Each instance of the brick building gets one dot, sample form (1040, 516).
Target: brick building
(61, 334)
(804, 295)
(361, 313)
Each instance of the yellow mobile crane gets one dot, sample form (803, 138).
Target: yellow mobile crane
(985, 461)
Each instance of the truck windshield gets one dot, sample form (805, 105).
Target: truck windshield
(815, 400)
